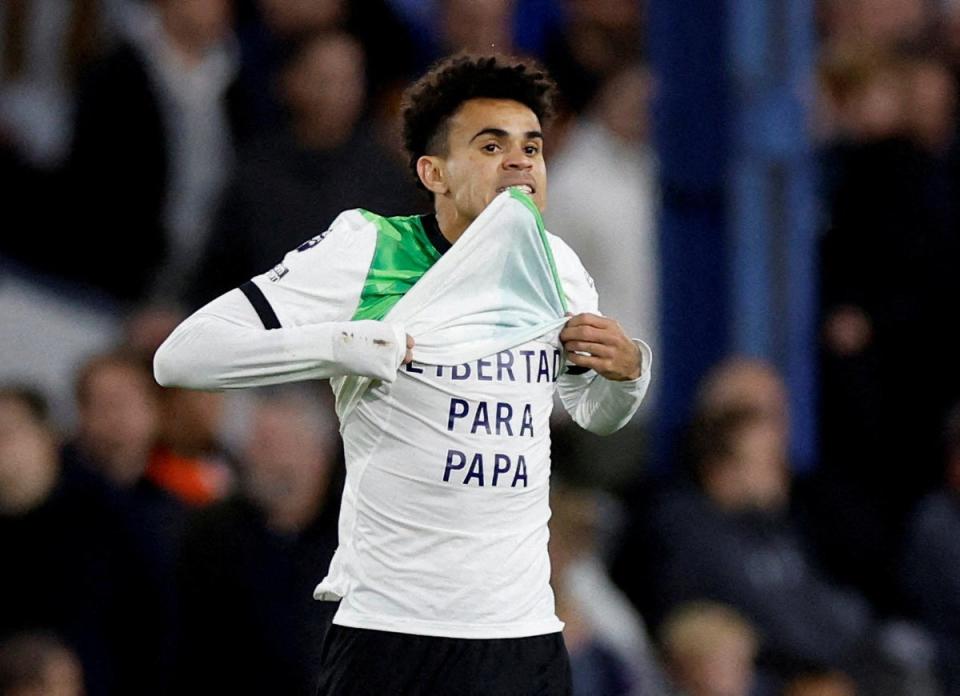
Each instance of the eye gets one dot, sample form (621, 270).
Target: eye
(490, 147)
(531, 150)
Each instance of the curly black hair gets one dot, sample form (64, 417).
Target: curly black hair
(429, 103)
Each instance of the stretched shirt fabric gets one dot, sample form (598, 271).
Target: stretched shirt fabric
(443, 527)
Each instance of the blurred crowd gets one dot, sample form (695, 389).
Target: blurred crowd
(155, 153)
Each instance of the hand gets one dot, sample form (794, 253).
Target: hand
(611, 352)
(408, 358)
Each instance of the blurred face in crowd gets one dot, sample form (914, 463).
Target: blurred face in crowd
(831, 684)
(28, 457)
(754, 474)
(933, 97)
(623, 104)
(190, 420)
(118, 420)
(878, 110)
(724, 670)
(198, 24)
(62, 675)
(325, 86)
(491, 145)
(889, 21)
(478, 26)
(299, 17)
(750, 384)
(287, 460)
(709, 650)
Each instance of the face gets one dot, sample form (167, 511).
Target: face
(203, 22)
(727, 670)
(27, 453)
(327, 82)
(118, 420)
(285, 459)
(492, 144)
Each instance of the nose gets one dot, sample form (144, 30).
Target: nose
(517, 159)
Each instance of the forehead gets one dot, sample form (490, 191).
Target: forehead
(505, 114)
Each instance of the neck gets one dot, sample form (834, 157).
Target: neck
(451, 223)
(187, 49)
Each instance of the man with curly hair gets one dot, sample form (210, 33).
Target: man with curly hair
(442, 573)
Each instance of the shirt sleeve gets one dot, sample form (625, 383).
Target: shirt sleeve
(595, 403)
(292, 323)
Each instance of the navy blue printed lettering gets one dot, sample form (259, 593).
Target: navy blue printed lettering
(476, 470)
(481, 376)
(504, 414)
(505, 362)
(520, 473)
(455, 411)
(527, 354)
(501, 465)
(451, 455)
(481, 419)
(526, 421)
(543, 374)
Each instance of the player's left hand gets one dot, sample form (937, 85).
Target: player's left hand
(611, 352)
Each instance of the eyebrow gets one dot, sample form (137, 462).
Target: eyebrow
(500, 133)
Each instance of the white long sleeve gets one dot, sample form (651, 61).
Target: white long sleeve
(600, 405)
(224, 346)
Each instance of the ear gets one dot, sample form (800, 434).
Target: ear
(431, 172)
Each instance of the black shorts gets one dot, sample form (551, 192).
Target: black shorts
(362, 662)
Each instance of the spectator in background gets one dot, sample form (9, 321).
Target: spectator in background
(289, 187)
(610, 652)
(44, 46)
(39, 664)
(732, 539)
(249, 564)
(709, 650)
(117, 424)
(603, 199)
(821, 684)
(188, 459)
(742, 383)
(152, 147)
(116, 434)
(888, 285)
(272, 31)
(477, 26)
(69, 565)
(882, 23)
(599, 39)
(603, 202)
(931, 563)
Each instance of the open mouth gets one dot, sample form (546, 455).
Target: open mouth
(525, 188)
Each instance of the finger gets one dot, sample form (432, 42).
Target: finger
(589, 361)
(590, 333)
(408, 357)
(596, 349)
(588, 319)
(410, 341)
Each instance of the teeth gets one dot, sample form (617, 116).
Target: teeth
(520, 187)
